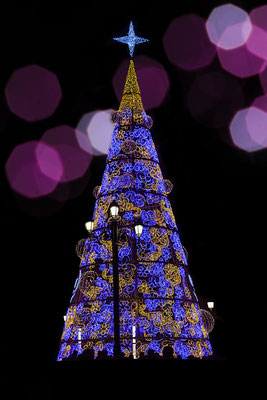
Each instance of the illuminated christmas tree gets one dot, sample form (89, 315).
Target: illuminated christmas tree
(158, 305)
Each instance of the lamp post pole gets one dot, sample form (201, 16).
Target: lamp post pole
(116, 297)
(114, 212)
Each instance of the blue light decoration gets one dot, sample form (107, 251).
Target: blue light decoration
(158, 304)
(131, 39)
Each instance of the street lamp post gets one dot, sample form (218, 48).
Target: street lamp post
(138, 228)
(114, 211)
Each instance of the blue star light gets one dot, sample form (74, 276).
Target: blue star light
(131, 39)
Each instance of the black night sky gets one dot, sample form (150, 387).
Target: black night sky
(219, 190)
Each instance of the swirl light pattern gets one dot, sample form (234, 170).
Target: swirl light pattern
(158, 304)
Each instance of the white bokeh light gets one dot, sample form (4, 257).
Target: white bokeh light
(246, 131)
(228, 26)
(94, 132)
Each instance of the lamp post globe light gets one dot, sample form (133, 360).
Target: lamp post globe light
(114, 210)
(138, 228)
(89, 226)
(210, 305)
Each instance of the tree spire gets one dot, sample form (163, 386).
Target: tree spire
(131, 105)
(131, 97)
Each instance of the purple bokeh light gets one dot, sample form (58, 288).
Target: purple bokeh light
(258, 17)
(152, 78)
(263, 78)
(240, 61)
(24, 174)
(33, 93)
(214, 98)
(75, 161)
(260, 103)
(187, 44)
(228, 26)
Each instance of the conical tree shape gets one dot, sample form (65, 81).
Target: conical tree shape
(158, 303)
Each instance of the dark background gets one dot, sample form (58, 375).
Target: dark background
(219, 191)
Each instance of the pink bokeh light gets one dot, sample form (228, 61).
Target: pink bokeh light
(24, 174)
(33, 93)
(152, 78)
(263, 78)
(75, 161)
(257, 41)
(187, 44)
(49, 161)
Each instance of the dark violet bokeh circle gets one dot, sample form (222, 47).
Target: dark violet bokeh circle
(23, 171)
(187, 44)
(214, 97)
(33, 93)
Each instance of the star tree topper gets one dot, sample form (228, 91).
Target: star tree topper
(131, 39)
